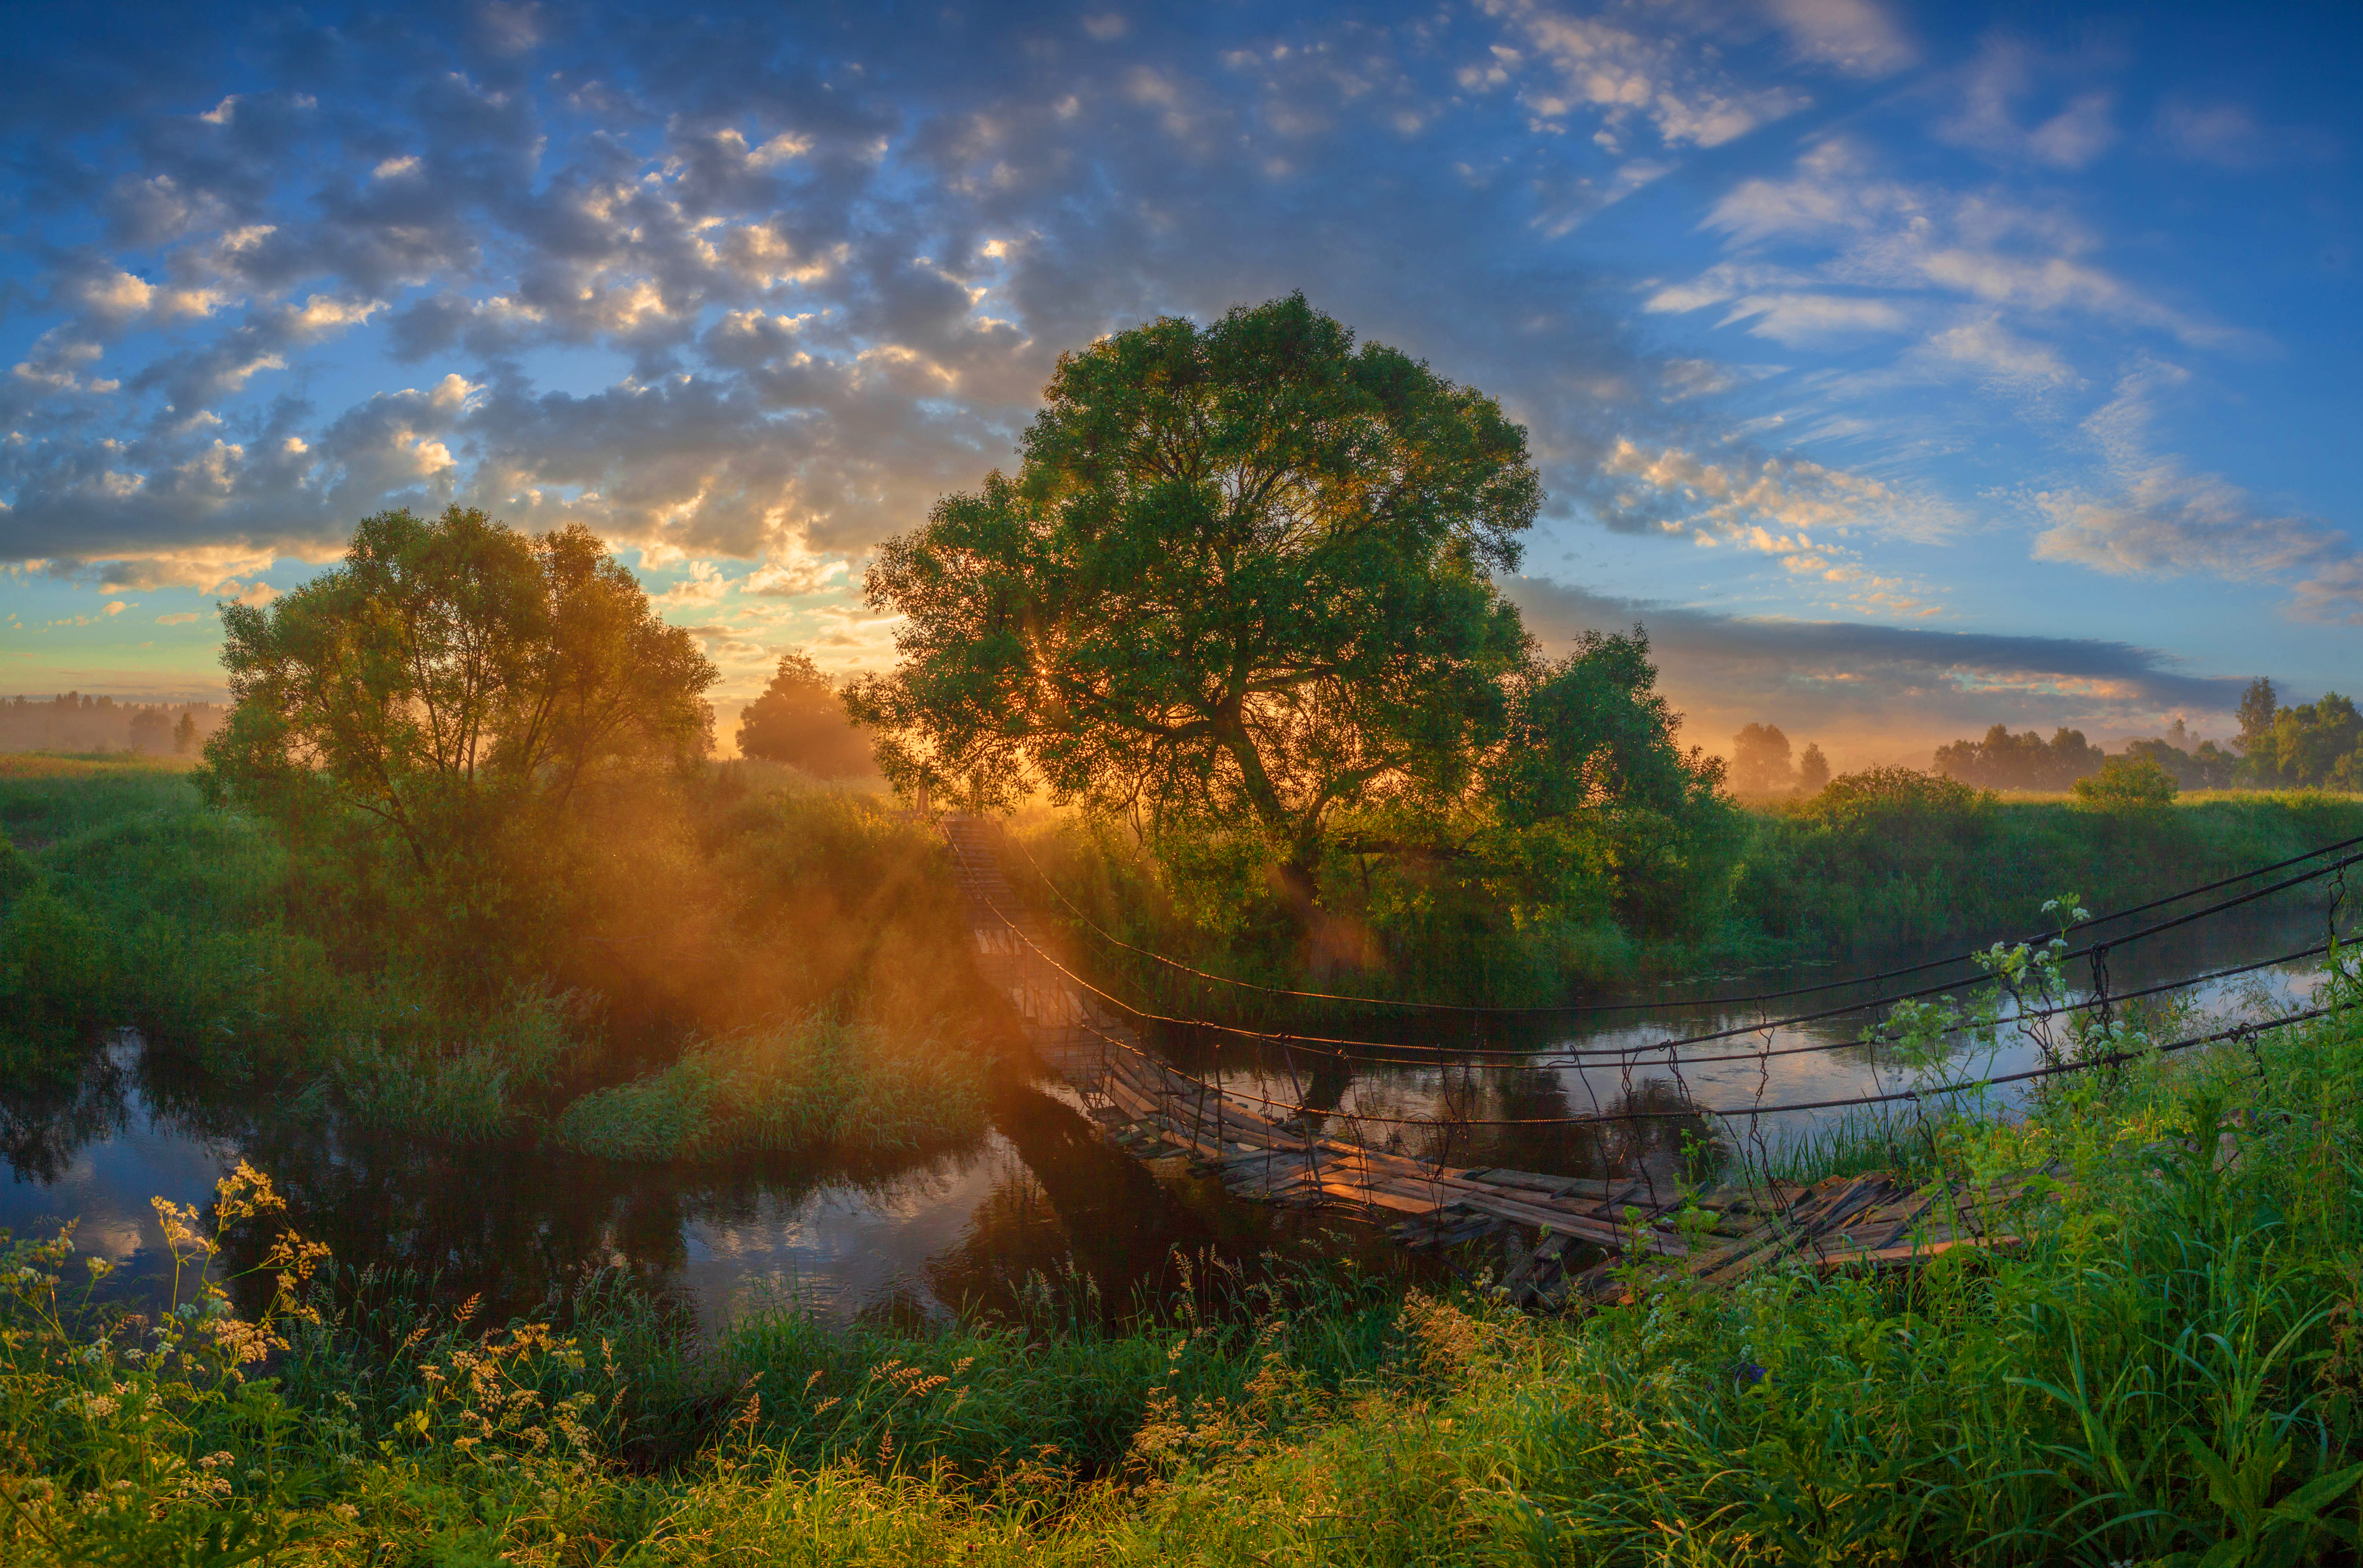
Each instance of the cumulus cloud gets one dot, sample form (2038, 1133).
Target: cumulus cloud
(1623, 65)
(735, 303)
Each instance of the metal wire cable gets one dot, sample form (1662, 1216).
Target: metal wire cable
(1706, 1037)
(1293, 1110)
(1938, 1092)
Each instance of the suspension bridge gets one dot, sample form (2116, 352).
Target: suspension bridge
(1562, 1237)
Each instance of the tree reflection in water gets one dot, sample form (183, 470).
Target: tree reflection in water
(1040, 1198)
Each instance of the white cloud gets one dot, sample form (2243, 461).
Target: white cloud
(1884, 234)
(1798, 319)
(704, 586)
(1993, 352)
(1619, 73)
(1855, 35)
(1684, 492)
(1988, 121)
(2159, 519)
(794, 577)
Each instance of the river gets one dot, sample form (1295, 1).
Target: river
(920, 1234)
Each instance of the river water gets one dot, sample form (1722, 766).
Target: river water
(923, 1234)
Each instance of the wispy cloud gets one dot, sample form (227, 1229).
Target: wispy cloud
(1884, 693)
(2159, 519)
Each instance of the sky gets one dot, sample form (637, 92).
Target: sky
(1903, 369)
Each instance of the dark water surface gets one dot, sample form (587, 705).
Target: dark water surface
(922, 1233)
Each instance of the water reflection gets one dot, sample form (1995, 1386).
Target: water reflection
(100, 1130)
(924, 1232)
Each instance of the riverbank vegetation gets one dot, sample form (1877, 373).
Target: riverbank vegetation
(2165, 1370)
(1877, 865)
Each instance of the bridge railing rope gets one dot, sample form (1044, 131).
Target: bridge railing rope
(1661, 1051)
(1102, 933)
(1278, 1137)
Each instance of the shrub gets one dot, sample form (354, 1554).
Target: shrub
(814, 1083)
(2128, 784)
(1882, 796)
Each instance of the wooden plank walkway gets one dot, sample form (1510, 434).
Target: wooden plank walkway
(1561, 1237)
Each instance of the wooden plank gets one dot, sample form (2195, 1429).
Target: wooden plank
(1903, 1256)
(1376, 1198)
(1590, 1229)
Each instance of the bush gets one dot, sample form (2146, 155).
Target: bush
(817, 1084)
(2128, 784)
(1882, 799)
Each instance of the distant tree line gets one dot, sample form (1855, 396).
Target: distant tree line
(72, 721)
(2316, 745)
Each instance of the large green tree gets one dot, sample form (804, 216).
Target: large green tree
(453, 675)
(1243, 577)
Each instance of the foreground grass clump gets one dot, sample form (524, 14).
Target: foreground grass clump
(2170, 1370)
(817, 1084)
(474, 1007)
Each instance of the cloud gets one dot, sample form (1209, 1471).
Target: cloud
(1922, 241)
(705, 586)
(1676, 490)
(2159, 519)
(1855, 37)
(749, 305)
(794, 577)
(1623, 65)
(178, 618)
(1992, 352)
(1872, 692)
(1988, 118)
(2229, 136)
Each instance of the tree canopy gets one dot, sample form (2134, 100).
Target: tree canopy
(450, 667)
(2316, 743)
(2022, 761)
(1243, 575)
(1759, 761)
(800, 719)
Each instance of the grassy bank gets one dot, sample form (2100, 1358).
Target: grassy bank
(642, 959)
(2170, 1370)
(1859, 883)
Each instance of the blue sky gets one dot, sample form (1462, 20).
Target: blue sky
(1903, 368)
